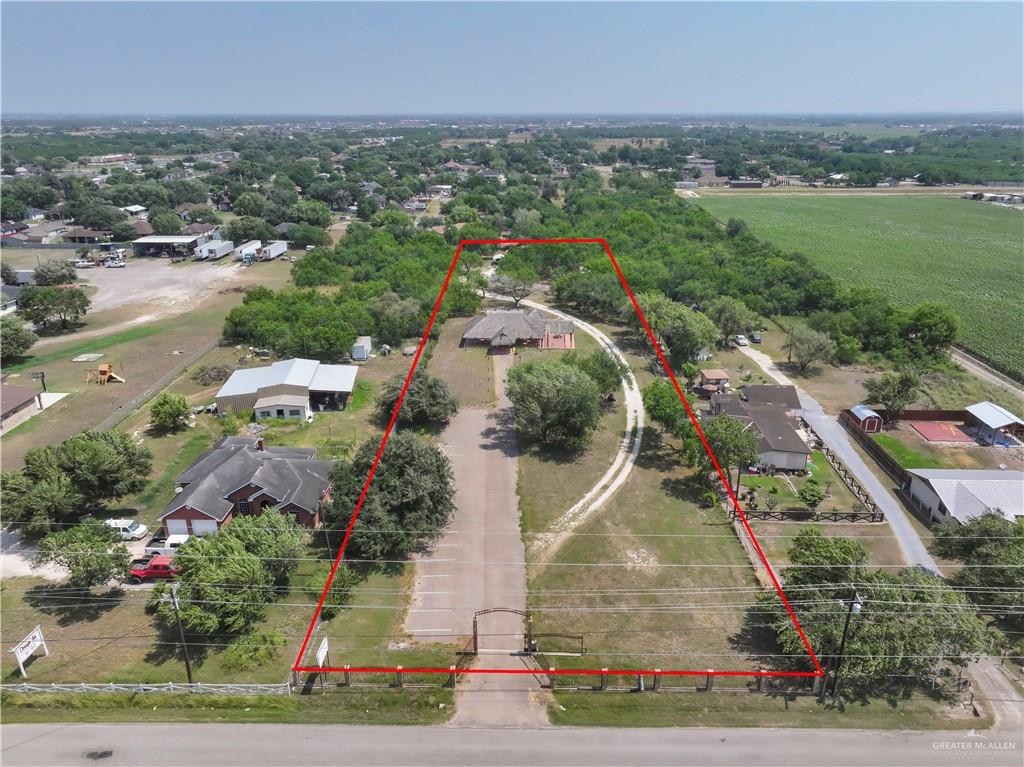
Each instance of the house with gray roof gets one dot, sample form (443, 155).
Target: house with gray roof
(502, 331)
(294, 388)
(963, 494)
(241, 476)
(780, 445)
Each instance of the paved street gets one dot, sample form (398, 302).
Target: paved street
(252, 745)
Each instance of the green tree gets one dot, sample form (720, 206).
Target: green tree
(222, 588)
(679, 329)
(663, 406)
(48, 305)
(55, 272)
(311, 212)
(991, 548)
(249, 204)
(122, 231)
(409, 501)
(807, 346)
(35, 502)
(811, 493)
(276, 538)
(605, 370)
(731, 316)
(303, 235)
(91, 552)
(733, 443)
(8, 276)
(556, 404)
(249, 228)
(16, 338)
(165, 222)
(428, 401)
(516, 283)
(170, 412)
(894, 391)
(345, 579)
(933, 326)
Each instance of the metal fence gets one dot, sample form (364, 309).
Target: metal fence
(167, 687)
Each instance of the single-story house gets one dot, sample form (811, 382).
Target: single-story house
(963, 494)
(185, 209)
(866, 419)
(134, 210)
(362, 348)
(991, 421)
(206, 229)
(713, 381)
(239, 476)
(284, 227)
(779, 446)
(44, 233)
(142, 228)
(9, 299)
(503, 330)
(294, 388)
(85, 236)
(15, 399)
(34, 214)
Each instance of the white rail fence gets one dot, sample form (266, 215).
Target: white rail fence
(198, 688)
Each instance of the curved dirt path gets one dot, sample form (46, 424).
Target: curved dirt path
(548, 543)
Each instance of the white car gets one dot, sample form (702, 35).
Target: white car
(741, 341)
(128, 529)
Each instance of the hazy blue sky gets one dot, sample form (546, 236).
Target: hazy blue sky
(319, 58)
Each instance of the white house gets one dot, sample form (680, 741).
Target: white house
(964, 494)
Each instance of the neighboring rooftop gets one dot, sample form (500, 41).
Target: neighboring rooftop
(969, 493)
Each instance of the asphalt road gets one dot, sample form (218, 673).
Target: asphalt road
(253, 745)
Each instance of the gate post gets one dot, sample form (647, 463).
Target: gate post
(451, 676)
(476, 641)
(762, 681)
(604, 679)
(399, 676)
(710, 686)
(657, 679)
(348, 676)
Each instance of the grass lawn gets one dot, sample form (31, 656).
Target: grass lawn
(877, 538)
(339, 706)
(606, 709)
(908, 457)
(468, 371)
(838, 495)
(890, 243)
(637, 610)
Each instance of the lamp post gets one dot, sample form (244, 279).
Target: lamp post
(856, 605)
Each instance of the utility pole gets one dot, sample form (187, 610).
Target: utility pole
(856, 605)
(181, 631)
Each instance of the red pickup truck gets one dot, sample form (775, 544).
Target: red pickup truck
(151, 568)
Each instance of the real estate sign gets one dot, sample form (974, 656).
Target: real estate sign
(24, 649)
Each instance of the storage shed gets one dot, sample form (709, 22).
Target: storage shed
(362, 348)
(866, 419)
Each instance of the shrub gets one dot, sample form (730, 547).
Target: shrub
(252, 650)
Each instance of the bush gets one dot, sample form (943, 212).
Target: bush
(428, 401)
(248, 652)
(341, 589)
(170, 412)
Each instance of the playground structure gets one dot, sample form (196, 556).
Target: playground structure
(103, 374)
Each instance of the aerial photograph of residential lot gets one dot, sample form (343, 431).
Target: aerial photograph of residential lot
(542, 415)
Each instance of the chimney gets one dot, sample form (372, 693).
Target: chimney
(259, 444)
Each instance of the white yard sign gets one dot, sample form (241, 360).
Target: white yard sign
(24, 649)
(321, 653)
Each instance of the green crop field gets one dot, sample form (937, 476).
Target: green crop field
(965, 254)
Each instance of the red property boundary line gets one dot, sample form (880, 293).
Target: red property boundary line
(297, 667)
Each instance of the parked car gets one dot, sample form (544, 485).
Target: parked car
(166, 545)
(755, 338)
(128, 529)
(741, 340)
(115, 264)
(151, 568)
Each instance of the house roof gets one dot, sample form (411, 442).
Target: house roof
(198, 228)
(863, 411)
(289, 475)
(282, 399)
(507, 328)
(969, 493)
(777, 430)
(167, 239)
(142, 228)
(284, 226)
(993, 416)
(10, 292)
(294, 372)
(714, 374)
(772, 394)
(14, 397)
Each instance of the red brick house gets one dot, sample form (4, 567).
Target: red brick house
(241, 476)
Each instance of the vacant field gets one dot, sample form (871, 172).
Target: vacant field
(468, 371)
(912, 452)
(964, 254)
